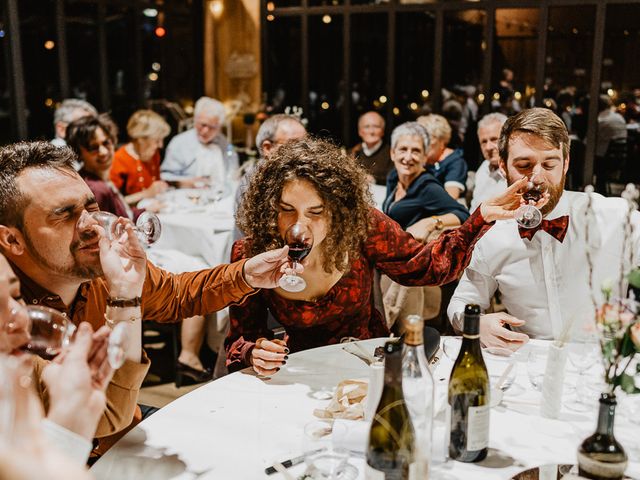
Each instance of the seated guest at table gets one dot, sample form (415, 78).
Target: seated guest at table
(373, 153)
(444, 163)
(423, 208)
(543, 274)
(72, 389)
(92, 279)
(489, 179)
(312, 182)
(418, 202)
(93, 139)
(136, 165)
(69, 110)
(201, 153)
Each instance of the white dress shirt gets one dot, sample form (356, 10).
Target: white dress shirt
(186, 157)
(488, 184)
(545, 282)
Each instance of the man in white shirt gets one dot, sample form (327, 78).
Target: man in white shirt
(543, 274)
(201, 153)
(489, 179)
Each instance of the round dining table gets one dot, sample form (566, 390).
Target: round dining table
(240, 424)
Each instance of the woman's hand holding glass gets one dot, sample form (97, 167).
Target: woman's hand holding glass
(268, 356)
(505, 205)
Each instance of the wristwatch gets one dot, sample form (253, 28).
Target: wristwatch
(124, 302)
(439, 224)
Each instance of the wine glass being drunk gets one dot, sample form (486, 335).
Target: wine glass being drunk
(147, 228)
(300, 241)
(530, 216)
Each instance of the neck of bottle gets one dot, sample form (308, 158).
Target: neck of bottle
(606, 415)
(471, 334)
(393, 370)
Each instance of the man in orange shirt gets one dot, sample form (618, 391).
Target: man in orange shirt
(98, 280)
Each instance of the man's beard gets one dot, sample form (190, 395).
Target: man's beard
(555, 192)
(83, 272)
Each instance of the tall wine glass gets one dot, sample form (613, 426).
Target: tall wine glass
(584, 352)
(530, 216)
(147, 228)
(300, 241)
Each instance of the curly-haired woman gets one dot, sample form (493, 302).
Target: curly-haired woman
(313, 182)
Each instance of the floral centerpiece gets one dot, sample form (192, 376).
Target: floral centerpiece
(618, 324)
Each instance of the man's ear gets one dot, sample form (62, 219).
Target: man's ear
(565, 167)
(266, 148)
(11, 241)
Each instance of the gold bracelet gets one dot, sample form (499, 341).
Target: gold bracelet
(111, 324)
(439, 223)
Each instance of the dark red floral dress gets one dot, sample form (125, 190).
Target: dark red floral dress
(347, 310)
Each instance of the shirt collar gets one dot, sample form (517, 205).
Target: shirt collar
(562, 208)
(35, 294)
(370, 151)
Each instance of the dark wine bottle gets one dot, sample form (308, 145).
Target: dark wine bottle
(391, 445)
(601, 457)
(469, 395)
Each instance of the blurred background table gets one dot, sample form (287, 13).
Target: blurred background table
(236, 426)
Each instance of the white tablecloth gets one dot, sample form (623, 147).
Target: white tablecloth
(236, 426)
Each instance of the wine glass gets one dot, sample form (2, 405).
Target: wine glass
(530, 216)
(536, 366)
(50, 331)
(502, 368)
(324, 457)
(147, 228)
(583, 354)
(300, 241)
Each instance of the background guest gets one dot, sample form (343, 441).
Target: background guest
(489, 180)
(444, 163)
(373, 153)
(136, 165)
(69, 110)
(201, 153)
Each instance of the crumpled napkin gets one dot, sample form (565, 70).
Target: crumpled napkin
(348, 402)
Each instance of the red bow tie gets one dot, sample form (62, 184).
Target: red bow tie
(557, 228)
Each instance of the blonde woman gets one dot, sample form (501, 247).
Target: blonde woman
(136, 165)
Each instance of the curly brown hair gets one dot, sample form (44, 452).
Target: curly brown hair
(339, 181)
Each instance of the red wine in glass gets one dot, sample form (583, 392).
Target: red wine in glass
(529, 216)
(49, 333)
(300, 241)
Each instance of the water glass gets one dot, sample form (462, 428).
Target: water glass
(501, 368)
(324, 458)
(536, 366)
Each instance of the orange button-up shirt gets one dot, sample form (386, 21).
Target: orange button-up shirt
(131, 175)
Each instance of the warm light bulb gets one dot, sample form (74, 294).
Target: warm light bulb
(49, 44)
(326, 19)
(383, 99)
(216, 7)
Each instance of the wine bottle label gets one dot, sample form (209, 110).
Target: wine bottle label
(478, 428)
(371, 473)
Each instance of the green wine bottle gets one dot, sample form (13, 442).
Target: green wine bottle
(469, 395)
(391, 446)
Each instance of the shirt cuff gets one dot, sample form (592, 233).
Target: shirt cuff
(131, 374)
(75, 447)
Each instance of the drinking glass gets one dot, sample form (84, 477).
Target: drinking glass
(451, 347)
(50, 332)
(583, 353)
(300, 241)
(501, 368)
(529, 216)
(536, 366)
(147, 228)
(324, 458)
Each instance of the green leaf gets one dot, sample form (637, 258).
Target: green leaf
(626, 383)
(634, 277)
(627, 346)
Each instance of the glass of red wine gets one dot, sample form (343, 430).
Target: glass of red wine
(300, 241)
(147, 228)
(50, 332)
(530, 216)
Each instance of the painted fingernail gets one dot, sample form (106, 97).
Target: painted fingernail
(286, 350)
(286, 357)
(277, 369)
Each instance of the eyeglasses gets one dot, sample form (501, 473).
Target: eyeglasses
(93, 148)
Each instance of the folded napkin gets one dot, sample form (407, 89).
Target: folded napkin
(347, 402)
